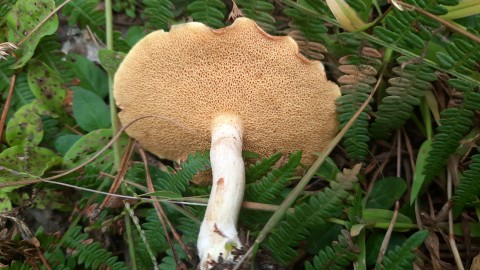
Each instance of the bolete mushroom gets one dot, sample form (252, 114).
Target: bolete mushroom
(228, 89)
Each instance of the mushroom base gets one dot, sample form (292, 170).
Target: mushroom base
(218, 237)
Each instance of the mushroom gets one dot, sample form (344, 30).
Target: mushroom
(230, 89)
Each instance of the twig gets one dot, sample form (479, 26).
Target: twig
(7, 105)
(160, 213)
(451, 234)
(120, 174)
(388, 234)
(53, 12)
(440, 20)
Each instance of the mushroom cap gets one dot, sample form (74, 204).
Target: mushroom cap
(187, 77)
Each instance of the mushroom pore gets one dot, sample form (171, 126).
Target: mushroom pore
(231, 89)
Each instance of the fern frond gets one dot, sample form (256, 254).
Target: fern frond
(410, 29)
(49, 51)
(157, 242)
(209, 12)
(461, 54)
(454, 124)
(269, 187)
(84, 13)
(405, 92)
(337, 257)
(5, 73)
(22, 94)
(357, 85)
(402, 257)
(158, 14)
(256, 171)
(260, 11)
(91, 255)
(178, 180)
(296, 226)
(469, 187)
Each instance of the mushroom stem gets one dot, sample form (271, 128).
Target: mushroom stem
(218, 235)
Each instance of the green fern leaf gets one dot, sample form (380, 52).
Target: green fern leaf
(178, 180)
(256, 171)
(269, 187)
(93, 255)
(461, 54)
(49, 51)
(158, 14)
(209, 12)
(337, 257)
(260, 11)
(402, 257)
(405, 92)
(22, 94)
(454, 124)
(84, 13)
(296, 226)
(155, 236)
(357, 83)
(469, 188)
(5, 73)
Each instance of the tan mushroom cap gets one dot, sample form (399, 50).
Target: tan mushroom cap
(193, 73)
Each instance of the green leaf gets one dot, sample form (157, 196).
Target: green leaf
(110, 60)
(385, 192)
(87, 146)
(25, 127)
(5, 203)
(47, 86)
(90, 111)
(65, 142)
(23, 18)
(25, 162)
(419, 175)
(91, 76)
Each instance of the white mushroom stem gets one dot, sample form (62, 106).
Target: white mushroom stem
(218, 235)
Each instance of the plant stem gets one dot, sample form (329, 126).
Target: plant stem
(113, 116)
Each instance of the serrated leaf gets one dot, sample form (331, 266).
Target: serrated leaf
(110, 60)
(25, 162)
(90, 111)
(91, 76)
(23, 18)
(385, 192)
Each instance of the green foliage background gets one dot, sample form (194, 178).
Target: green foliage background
(417, 139)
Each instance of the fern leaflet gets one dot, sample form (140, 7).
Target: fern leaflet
(91, 255)
(269, 187)
(337, 257)
(455, 123)
(209, 12)
(469, 187)
(402, 257)
(84, 13)
(405, 92)
(296, 226)
(158, 14)
(256, 171)
(260, 11)
(356, 86)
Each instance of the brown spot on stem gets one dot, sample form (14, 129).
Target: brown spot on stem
(217, 230)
